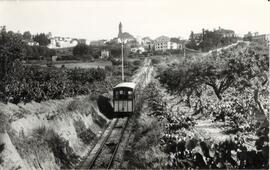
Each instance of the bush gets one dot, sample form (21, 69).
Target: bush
(79, 126)
(73, 105)
(39, 84)
(35, 52)
(86, 75)
(137, 63)
(109, 69)
(59, 146)
(87, 136)
(146, 152)
(116, 61)
(155, 61)
(61, 150)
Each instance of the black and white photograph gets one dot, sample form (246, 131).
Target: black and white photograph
(134, 84)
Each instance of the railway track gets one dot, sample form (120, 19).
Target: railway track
(103, 154)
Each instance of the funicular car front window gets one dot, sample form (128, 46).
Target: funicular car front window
(121, 92)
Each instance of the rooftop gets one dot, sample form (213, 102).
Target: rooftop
(126, 84)
(162, 39)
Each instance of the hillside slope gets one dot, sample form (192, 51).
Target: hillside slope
(50, 134)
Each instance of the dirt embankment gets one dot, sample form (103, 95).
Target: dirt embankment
(49, 135)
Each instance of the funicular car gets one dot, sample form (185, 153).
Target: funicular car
(124, 99)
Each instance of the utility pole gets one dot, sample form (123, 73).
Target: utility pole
(122, 51)
(184, 50)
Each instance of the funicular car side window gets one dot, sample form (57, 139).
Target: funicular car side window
(130, 94)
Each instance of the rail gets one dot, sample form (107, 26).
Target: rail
(118, 144)
(102, 145)
(97, 153)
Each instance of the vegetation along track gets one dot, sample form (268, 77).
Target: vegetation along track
(204, 136)
(103, 154)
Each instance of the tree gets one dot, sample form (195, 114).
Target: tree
(42, 39)
(80, 50)
(248, 37)
(34, 52)
(176, 40)
(11, 49)
(238, 78)
(27, 35)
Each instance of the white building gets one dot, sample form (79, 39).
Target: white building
(62, 42)
(32, 43)
(98, 42)
(261, 37)
(105, 54)
(163, 43)
(139, 40)
(54, 58)
(140, 50)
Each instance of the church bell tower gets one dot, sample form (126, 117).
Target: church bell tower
(120, 30)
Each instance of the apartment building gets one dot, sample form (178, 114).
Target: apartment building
(163, 43)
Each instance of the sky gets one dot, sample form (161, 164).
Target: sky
(99, 19)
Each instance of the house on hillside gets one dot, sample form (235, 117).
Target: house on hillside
(226, 32)
(104, 54)
(257, 37)
(139, 50)
(163, 43)
(54, 58)
(139, 40)
(148, 44)
(98, 43)
(62, 42)
(247, 36)
(31, 42)
(261, 38)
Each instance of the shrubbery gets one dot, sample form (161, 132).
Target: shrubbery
(35, 52)
(180, 147)
(230, 85)
(155, 61)
(25, 83)
(62, 152)
(86, 75)
(137, 62)
(86, 135)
